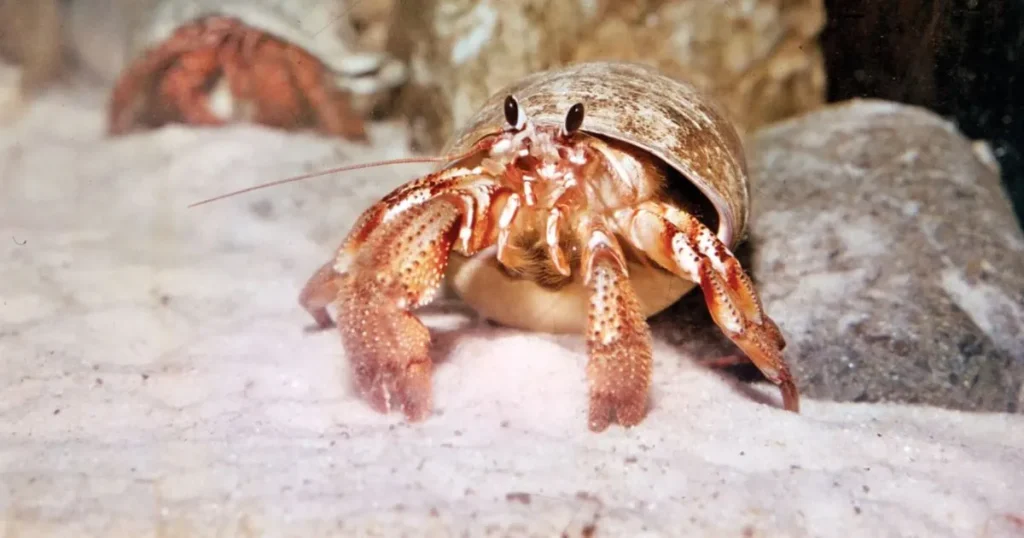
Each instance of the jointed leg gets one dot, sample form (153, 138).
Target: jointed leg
(618, 338)
(394, 204)
(681, 243)
(321, 289)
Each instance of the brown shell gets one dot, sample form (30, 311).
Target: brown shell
(636, 104)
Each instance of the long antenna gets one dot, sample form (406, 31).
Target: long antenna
(320, 173)
(408, 160)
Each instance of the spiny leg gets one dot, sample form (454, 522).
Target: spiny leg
(399, 269)
(400, 200)
(618, 338)
(682, 244)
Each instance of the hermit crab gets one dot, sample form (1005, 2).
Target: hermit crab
(584, 198)
(273, 63)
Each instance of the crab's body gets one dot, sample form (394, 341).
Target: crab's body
(557, 223)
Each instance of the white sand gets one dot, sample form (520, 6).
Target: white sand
(157, 381)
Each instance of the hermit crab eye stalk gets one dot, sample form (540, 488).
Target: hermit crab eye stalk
(573, 119)
(513, 114)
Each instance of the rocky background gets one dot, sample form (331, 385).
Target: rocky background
(761, 59)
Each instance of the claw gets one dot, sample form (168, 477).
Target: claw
(400, 268)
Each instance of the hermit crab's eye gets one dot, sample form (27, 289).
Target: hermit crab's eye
(511, 110)
(513, 114)
(574, 119)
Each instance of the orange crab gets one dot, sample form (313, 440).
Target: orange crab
(582, 199)
(217, 70)
(551, 219)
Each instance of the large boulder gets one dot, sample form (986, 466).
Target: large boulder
(888, 252)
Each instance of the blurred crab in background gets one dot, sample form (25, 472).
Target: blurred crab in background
(288, 65)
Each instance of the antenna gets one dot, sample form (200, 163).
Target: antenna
(408, 160)
(320, 173)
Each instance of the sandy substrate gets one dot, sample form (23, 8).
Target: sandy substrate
(157, 380)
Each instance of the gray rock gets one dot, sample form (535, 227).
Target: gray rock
(887, 251)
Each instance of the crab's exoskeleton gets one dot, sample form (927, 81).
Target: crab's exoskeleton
(587, 198)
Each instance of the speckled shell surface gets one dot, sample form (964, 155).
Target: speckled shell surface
(634, 103)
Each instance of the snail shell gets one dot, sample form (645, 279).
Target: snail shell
(667, 120)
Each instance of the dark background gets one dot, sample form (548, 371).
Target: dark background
(961, 58)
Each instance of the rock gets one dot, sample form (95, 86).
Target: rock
(30, 37)
(887, 251)
(760, 59)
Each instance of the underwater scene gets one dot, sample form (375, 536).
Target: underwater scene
(490, 268)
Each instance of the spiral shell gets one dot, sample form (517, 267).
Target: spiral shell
(636, 104)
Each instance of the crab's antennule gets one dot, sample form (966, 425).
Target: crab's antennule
(408, 160)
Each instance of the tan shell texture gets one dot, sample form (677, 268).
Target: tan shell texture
(634, 103)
